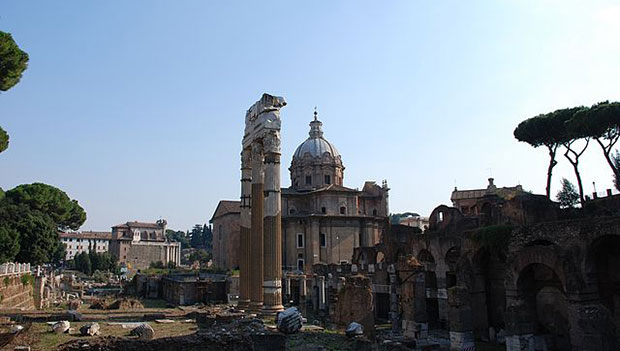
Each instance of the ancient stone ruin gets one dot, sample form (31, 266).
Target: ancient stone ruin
(261, 225)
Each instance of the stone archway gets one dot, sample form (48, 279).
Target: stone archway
(603, 267)
(430, 289)
(544, 301)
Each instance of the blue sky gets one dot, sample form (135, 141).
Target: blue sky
(136, 108)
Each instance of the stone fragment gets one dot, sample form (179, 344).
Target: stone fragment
(61, 327)
(289, 321)
(143, 332)
(90, 329)
(354, 329)
(164, 321)
(22, 348)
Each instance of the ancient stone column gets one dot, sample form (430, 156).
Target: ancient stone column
(262, 125)
(246, 219)
(272, 283)
(256, 229)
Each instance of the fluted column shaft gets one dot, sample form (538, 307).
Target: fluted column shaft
(272, 283)
(257, 232)
(246, 219)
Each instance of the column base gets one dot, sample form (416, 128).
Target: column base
(271, 311)
(243, 304)
(462, 341)
(255, 307)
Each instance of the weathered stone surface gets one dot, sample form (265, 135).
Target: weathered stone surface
(143, 332)
(289, 321)
(355, 304)
(61, 327)
(90, 329)
(354, 329)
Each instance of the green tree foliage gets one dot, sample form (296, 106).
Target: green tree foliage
(158, 264)
(83, 263)
(178, 236)
(201, 237)
(602, 123)
(540, 131)
(9, 244)
(13, 62)
(494, 237)
(571, 133)
(207, 237)
(4, 140)
(567, 196)
(201, 256)
(396, 217)
(33, 213)
(90, 262)
(64, 212)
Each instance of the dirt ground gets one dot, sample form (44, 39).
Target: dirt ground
(41, 338)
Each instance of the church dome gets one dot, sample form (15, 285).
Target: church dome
(316, 162)
(316, 147)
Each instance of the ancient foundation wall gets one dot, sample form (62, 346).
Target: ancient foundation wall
(16, 291)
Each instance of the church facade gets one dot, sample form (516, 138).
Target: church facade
(323, 221)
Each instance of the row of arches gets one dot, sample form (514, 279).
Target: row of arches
(542, 288)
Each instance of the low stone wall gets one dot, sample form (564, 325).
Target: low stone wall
(16, 291)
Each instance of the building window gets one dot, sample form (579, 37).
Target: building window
(328, 179)
(291, 211)
(300, 240)
(323, 239)
(374, 212)
(343, 210)
(440, 217)
(300, 264)
(308, 180)
(323, 210)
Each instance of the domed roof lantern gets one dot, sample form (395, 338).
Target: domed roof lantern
(316, 127)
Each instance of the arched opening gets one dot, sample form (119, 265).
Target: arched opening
(605, 257)
(545, 303)
(452, 257)
(487, 292)
(430, 284)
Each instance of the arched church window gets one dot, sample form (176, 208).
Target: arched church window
(328, 179)
(308, 180)
(343, 210)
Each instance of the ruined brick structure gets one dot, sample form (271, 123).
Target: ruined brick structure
(516, 270)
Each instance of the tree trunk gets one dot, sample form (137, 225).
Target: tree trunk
(552, 163)
(606, 154)
(575, 164)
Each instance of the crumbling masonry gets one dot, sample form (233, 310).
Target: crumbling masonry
(261, 225)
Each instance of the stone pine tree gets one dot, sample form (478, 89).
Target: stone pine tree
(567, 196)
(541, 131)
(601, 122)
(33, 214)
(13, 62)
(570, 132)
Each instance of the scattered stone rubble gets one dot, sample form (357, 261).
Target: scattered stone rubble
(143, 332)
(61, 327)
(289, 321)
(90, 329)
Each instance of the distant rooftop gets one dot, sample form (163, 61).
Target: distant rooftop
(87, 235)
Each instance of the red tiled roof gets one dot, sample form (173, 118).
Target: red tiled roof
(87, 235)
(226, 207)
(137, 224)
